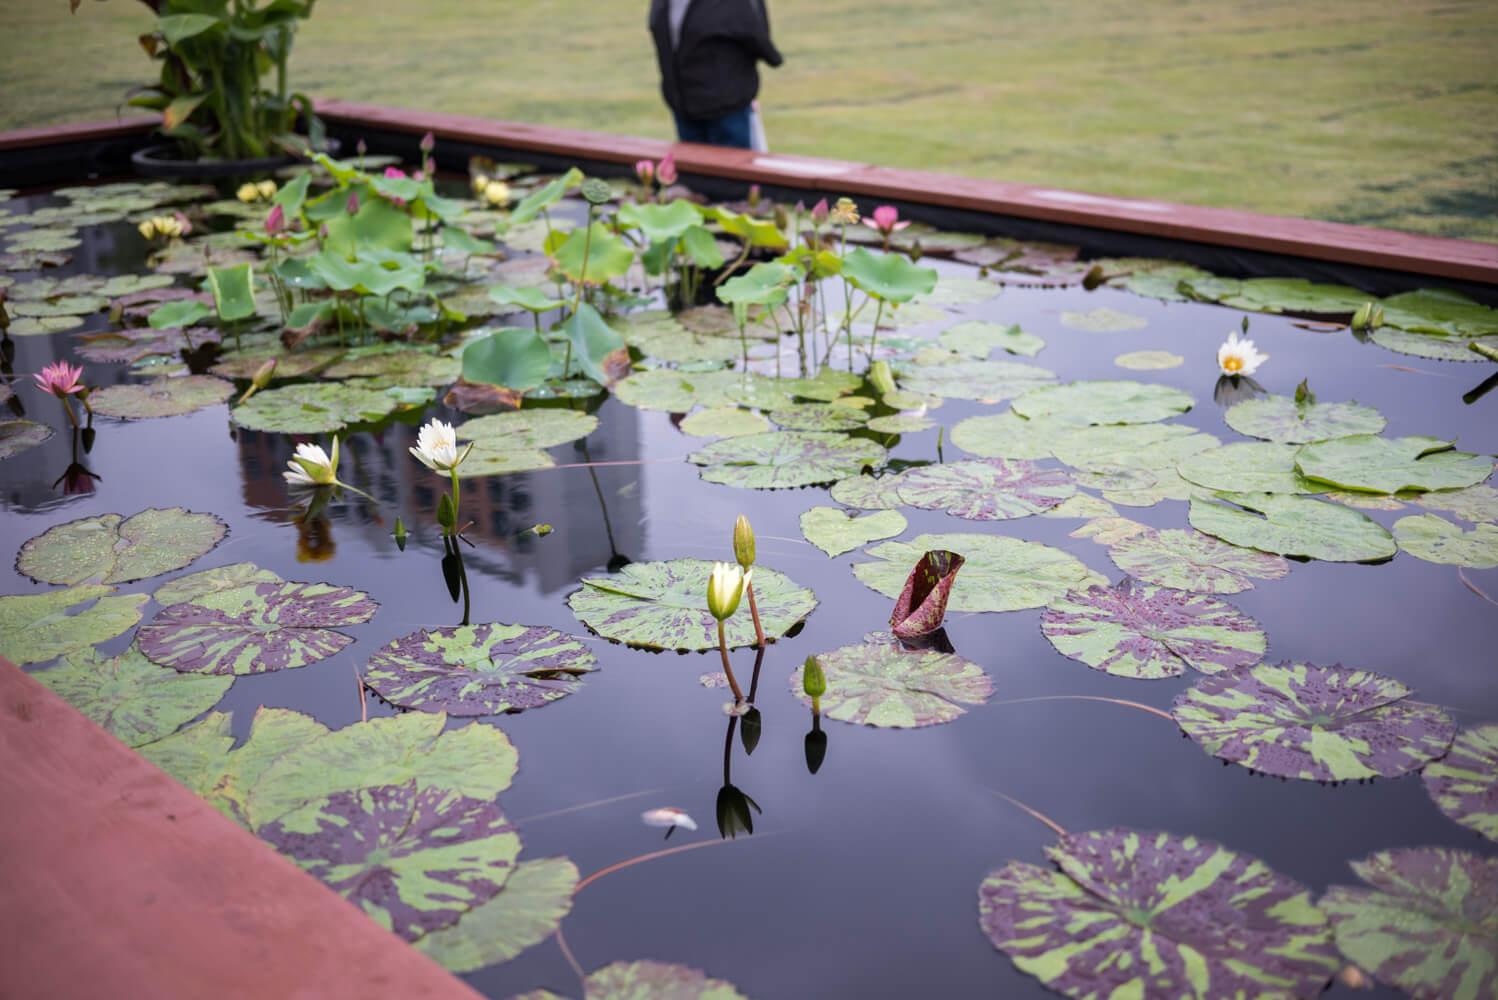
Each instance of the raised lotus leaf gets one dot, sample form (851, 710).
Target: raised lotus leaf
(527, 910)
(1437, 540)
(162, 397)
(35, 628)
(1009, 435)
(1147, 361)
(978, 339)
(1297, 720)
(835, 531)
(1104, 402)
(255, 628)
(414, 859)
(1283, 419)
(1428, 924)
(989, 381)
(1464, 783)
(1139, 630)
(663, 605)
(1293, 526)
(1247, 467)
(1380, 465)
(313, 408)
(783, 459)
(1132, 913)
(119, 550)
(985, 490)
(1000, 574)
(868, 492)
(1102, 319)
(884, 684)
(1474, 503)
(131, 697)
(479, 669)
(17, 436)
(1190, 560)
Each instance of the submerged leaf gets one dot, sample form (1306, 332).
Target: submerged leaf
(120, 550)
(887, 685)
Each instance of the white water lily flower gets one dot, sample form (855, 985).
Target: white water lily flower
(437, 447)
(1238, 356)
(724, 589)
(311, 466)
(668, 817)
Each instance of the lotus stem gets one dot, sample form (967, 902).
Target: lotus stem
(738, 695)
(874, 337)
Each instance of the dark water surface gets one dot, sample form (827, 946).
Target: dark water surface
(859, 881)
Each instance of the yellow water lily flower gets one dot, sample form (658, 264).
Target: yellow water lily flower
(148, 229)
(267, 189)
(496, 193)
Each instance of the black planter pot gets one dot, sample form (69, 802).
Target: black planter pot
(165, 161)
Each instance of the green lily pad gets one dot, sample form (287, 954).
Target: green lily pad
(63, 305)
(1103, 402)
(985, 490)
(951, 291)
(1281, 418)
(900, 423)
(211, 581)
(1440, 311)
(17, 436)
(35, 628)
(1247, 467)
(663, 605)
(313, 408)
(120, 550)
(1139, 630)
(868, 492)
(961, 379)
(479, 669)
(134, 699)
(1297, 720)
(1428, 925)
(834, 531)
(162, 397)
(255, 628)
(671, 391)
(886, 685)
(1139, 914)
(121, 285)
(1146, 361)
(32, 240)
(1435, 348)
(1009, 435)
(724, 421)
(289, 364)
(1380, 465)
(1190, 560)
(659, 335)
(405, 367)
(1102, 319)
(818, 417)
(1294, 295)
(648, 979)
(783, 459)
(530, 428)
(1473, 503)
(1000, 574)
(978, 339)
(1464, 783)
(31, 326)
(1437, 540)
(1138, 461)
(527, 910)
(1293, 526)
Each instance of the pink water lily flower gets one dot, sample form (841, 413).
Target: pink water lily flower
(60, 379)
(666, 171)
(886, 219)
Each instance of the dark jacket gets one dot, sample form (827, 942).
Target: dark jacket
(712, 72)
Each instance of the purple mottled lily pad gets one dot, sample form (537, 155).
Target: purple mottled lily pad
(1137, 630)
(986, 490)
(1297, 720)
(528, 909)
(922, 604)
(1132, 913)
(414, 859)
(1464, 783)
(1190, 560)
(868, 492)
(1429, 925)
(256, 628)
(882, 684)
(131, 345)
(479, 669)
(783, 459)
(654, 979)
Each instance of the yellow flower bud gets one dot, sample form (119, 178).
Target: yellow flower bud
(497, 192)
(247, 192)
(148, 229)
(743, 542)
(478, 183)
(267, 189)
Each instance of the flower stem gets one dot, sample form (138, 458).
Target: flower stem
(754, 610)
(454, 471)
(733, 683)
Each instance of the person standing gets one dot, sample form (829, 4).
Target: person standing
(709, 52)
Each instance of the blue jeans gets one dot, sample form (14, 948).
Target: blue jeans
(730, 130)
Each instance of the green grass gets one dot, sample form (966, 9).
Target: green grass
(1378, 112)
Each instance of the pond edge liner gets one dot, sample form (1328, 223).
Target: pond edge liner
(1226, 241)
(122, 882)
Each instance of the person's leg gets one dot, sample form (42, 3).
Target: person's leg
(692, 130)
(731, 130)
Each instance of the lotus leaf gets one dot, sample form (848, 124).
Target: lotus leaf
(952, 291)
(35, 628)
(724, 421)
(868, 492)
(886, 685)
(1436, 348)
(479, 669)
(834, 531)
(607, 256)
(1281, 418)
(120, 550)
(985, 490)
(1437, 540)
(888, 276)
(783, 459)
(1474, 503)
(255, 628)
(989, 381)
(1190, 560)
(1104, 402)
(528, 909)
(314, 408)
(1138, 630)
(1380, 465)
(131, 697)
(1140, 914)
(17, 436)
(1001, 573)
(1145, 361)
(663, 605)
(1464, 783)
(1103, 320)
(1297, 720)
(162, 397)
(512, 358)
(1247, 467)
(1428, 925)
(1009, 435)
(1293, 526)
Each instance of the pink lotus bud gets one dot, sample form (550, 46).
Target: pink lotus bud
(886, 219)
(362, 147)
(428, 143)
(275, 223)
(183, 221)
(352, 207)
(420, 175)
(820, 212)
(666, 172)
(645, 171)
(394, 172)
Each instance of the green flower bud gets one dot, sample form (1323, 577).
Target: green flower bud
(1361, 317)
(743, 542)
(813, 681)
(446, 516)
(1376, 320)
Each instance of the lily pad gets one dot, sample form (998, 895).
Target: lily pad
(163, 397)
(834, 531)
(415, 860)
(211, 581)
(978, 339)
(479, 669)
(992, 490)
(1102, 319)
(1140, 914)
(134, 699)
(120, 550)
(900, 423)
(652, 979)
(1293, 526)
(724, 421)
(255, 628)
(1281, 418)
(1146, 361)
(1474, 503)
(868, 492)
(1104, 402)
(30, 326)
(1437, 540)
(1380, 465)
(1464, 783)
(783, 459)
(671, 391)
(527, 910)
(1435, 348)
(17, 436)
(1009, 435)
(1297, 720)
(661, 336)
(990, 381)
(1001, 573)
(1428, 925)
(313, 408)
(1136, 463)
(404, 367)
(818, 417)
(1440, 311)
(1190, 560)
(884, 684)
(663, 605)
(35, 628)
(293, 364)
(1247, 467)
(530, 428)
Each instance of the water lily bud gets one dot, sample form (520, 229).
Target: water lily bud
(816, 750)
(724, 589)
(264, 374)
(1377, 319)
(275, 223)
(247, 192)
(881, 378)
(753, 196)
(1361, 317)
(820, 212)
(400, 534)
(147, 229)
(352, 205)
(428, 143)
(782, 220)
(915, 253)
(362, 147)
(743, 542)
(267, 189)
(445, 514)
(813, 681)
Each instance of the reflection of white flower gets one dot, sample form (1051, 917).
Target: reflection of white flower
(668, 817)
(437, 447)
(311, 466)
(1238, 357)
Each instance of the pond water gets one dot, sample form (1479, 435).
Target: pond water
(860, 879)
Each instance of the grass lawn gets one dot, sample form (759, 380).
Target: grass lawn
(1378, 112)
